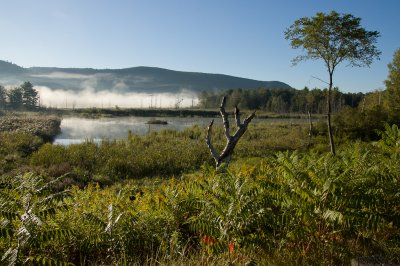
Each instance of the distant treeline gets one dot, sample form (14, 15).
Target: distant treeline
(276, 100)
(281, 100)
(24, 97)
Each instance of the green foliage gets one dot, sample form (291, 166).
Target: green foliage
(330, 200)
(15, 148)
(116, 226)
(353, 123)
(334, 38)
(390, 139)
(392, 93)
(27, 204)
(231, 210)
(20, 136)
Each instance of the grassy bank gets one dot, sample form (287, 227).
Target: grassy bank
(45, 127)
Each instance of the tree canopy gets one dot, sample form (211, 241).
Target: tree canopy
(393, 84)
(334, 38)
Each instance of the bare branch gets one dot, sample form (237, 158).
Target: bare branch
(237, 116)
(248, 119)
(208, 141)
(225, 119)
(320, 80)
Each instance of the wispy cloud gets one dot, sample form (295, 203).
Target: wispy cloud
(62, 75)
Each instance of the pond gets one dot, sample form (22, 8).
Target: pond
(77, 130)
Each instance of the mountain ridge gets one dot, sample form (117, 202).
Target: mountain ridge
(143, 79)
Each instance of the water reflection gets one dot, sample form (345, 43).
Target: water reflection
(77, 130)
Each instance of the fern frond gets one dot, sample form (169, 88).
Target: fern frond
(54, 234)
(333, 216)
(203, 227)
(47, 185)
(47, 212)
(10, 257)
(30, 218)
(9, 215)
(94, 219)
(6, 232)
(54, 198)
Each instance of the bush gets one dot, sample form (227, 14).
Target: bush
(15, 148)
(352, 124)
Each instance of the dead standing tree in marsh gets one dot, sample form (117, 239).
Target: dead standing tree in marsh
(226, 153)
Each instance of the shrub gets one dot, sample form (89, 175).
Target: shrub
(15, 148)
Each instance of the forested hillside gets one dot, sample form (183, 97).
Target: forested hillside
(135, 79)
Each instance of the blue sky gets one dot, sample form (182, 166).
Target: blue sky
(235, 37)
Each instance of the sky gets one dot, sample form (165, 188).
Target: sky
(243, 38)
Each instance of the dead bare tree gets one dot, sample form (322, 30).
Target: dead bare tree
(226, 153)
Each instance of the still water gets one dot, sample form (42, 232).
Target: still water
(77, 130)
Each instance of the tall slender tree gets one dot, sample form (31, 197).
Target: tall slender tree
(334, 38)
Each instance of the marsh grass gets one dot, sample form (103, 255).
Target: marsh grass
(152, 200)
(163, 153)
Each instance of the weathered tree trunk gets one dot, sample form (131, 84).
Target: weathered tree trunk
(226, 153)
(332, 144)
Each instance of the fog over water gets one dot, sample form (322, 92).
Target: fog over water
(107, 99)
